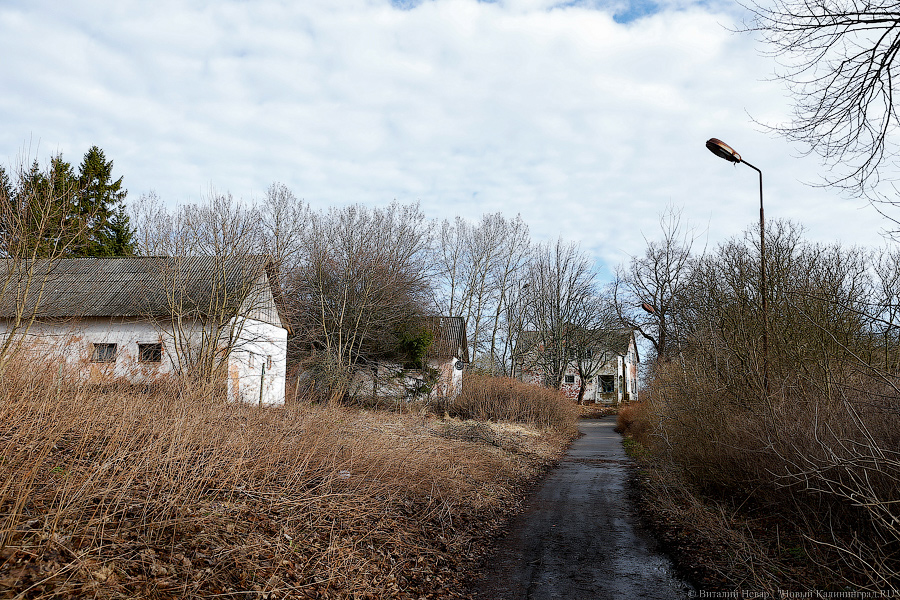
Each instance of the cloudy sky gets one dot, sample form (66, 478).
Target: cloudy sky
(588, 118)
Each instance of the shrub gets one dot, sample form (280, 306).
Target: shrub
(827, 468)
(632, 420)
(506, 399)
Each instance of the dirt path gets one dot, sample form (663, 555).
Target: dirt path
(578, 538)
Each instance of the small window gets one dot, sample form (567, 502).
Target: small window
(570, 379)
(150, 353)
(104, 353)
(607, 384)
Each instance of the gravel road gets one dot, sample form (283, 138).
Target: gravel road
(579, 538)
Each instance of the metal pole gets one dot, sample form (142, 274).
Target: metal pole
(762, 281)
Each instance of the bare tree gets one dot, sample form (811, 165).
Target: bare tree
(560, 301)
(594, 338)
(839, 61)
(211, 264)
(512, 257)
(479, 267)
(886, 305)
(363, 282)
(283, 221)
(646, 292)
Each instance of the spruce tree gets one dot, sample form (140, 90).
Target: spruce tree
(101, 200)
(6, 189)
(83, 212)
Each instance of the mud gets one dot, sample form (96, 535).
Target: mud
(579, 537)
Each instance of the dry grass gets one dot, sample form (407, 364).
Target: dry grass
(114, 494)
(507, 399)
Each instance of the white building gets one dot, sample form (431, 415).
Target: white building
(606, 367)
(139, 319)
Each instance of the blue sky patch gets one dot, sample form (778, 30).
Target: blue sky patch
(635, 10)
(406, 4)
(625, 12)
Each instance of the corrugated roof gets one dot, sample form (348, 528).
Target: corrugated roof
(613, 340)
(128, 287)
(449, 338)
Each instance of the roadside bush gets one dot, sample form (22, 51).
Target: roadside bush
(632, 420)
(812, 450)
(506, 399)
(827, 470)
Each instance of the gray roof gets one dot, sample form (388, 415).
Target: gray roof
(449, 338)
(611, 340)
(128, 287)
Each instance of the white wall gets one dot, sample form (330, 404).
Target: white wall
(258, 344)
(259, 357)
(73, 340)
(449, 383)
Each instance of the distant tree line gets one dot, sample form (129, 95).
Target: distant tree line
(356, 282)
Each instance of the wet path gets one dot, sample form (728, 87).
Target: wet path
(578, 538)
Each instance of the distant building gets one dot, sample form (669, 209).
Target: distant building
(609, 362)
(446, 357)
(138, 319)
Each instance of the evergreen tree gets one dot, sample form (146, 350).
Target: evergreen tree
(120, 236)
(82, 212)
(42, 202)
(101, 199)
(6, 189)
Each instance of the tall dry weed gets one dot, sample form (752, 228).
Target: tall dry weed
(632, 420)
(112, 493)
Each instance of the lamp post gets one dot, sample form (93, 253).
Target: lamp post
(724, 151)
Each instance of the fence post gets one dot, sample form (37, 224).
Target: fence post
(262, 381)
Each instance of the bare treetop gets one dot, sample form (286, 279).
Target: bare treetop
(839, 60)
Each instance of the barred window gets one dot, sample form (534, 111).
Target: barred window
(104, 353)
(150, 353)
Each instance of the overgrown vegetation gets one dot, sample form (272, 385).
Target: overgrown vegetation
(113, 494)
(505, 399)
(798, 487)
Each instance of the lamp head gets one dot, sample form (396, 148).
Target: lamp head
(722, 150)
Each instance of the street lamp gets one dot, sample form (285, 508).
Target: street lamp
(726, 152)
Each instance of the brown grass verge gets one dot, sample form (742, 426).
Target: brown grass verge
(113, 494)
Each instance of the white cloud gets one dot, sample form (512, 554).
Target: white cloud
(586, 126)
